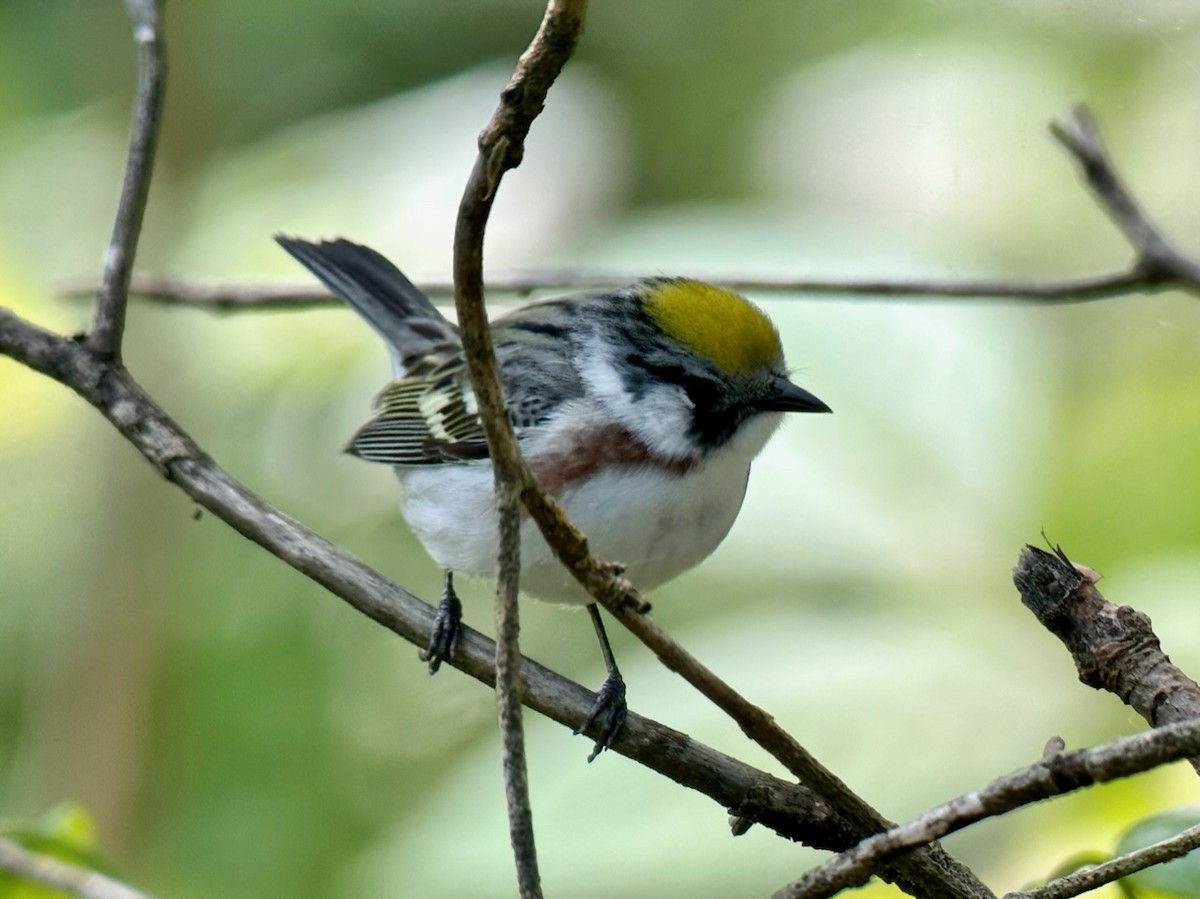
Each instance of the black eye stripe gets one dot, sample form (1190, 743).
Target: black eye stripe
(666, 372)
(705, 393)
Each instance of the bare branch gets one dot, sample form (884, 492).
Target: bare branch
(1079, 882)
(1114, 647)
(1158, 260)
(823, 811)
(1158, 266)
(931, 873)
(1055, 774)
(229, 298)
(108, 325)
(100, 379)
(501, 146)
(59, 875)
(791, 810)
(508, 693)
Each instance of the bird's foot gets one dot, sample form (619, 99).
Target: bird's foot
(607, 713)
(447, 629)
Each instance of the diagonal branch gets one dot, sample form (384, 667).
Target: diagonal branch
(97, 375)
(789, 809)
(1158, 261)
(1114, 647)
(1057, 773)
(108, 325)
(47, 871)
(501, 146)
(1092, 878)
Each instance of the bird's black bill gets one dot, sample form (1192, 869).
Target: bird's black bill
(787, 397)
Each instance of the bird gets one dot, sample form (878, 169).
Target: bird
(640, 409)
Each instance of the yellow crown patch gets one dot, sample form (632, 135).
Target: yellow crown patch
(718, 324)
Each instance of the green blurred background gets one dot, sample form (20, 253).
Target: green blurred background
(234, 731)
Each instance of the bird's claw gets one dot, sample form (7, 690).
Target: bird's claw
(608, 712)
(446, 634)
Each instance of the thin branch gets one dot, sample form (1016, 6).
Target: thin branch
(508, 693)
(231, 298)
(99, 378)
(1158, 260)
(789, 809)
(1057, 773)
(501, 146)
(92, 370)
(1114, 647)
(108, 325)
(1079, 882)
(1158, 265)
(59, 875)
(934, 872)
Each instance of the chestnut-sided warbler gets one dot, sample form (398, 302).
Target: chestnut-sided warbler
(639, 409)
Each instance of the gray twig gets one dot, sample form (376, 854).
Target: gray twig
(1114, 647)
(97, 375)
(1096, 876)
(1055, 774)
(230, 298)
(1158, 261)
(508, 692)
(822, 813)
(108, 324)
(59, 875)
(790, 809)
(501, 145)
(1158, 264)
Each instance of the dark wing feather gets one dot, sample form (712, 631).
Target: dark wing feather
(380, 293)
(430, 416)
(427, 418)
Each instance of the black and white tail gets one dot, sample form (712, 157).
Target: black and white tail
(379, 292)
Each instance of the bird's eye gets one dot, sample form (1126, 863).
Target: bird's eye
(703, 392)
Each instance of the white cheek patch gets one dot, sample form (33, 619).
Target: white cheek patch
(602, 378)
(660, 417)
(662, 421)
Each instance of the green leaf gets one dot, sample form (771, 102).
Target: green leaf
(1178, 878)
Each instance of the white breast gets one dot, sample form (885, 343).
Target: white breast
(658, 523)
